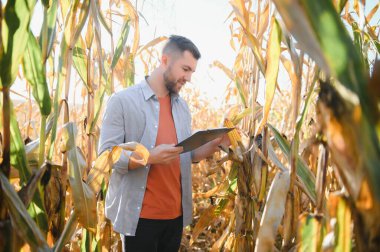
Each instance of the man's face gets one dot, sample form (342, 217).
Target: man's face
(179, 70)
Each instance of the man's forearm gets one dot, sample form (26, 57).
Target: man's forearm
(205, 151)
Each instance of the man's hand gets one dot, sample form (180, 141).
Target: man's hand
(223, 141)
(164, 153)
(208, 149)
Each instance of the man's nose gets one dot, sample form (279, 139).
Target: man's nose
(188, 77)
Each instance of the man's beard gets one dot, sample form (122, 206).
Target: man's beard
(170, 84)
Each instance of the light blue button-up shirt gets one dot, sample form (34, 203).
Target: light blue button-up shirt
(133, 115)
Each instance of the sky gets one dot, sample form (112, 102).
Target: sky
(202, 21)
(205, 22)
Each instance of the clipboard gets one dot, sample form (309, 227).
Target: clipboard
(202, 137)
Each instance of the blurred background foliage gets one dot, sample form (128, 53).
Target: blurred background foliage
(302, 171)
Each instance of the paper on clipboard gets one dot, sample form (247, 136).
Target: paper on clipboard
(202, 137)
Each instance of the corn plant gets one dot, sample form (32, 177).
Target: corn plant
(301, 170)
(53, 199)
(305, 193)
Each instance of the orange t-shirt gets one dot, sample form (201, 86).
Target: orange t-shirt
(162, 199)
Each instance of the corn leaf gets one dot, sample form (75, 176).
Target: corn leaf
(103, 164)
(273, 212)
(48, 29)
(345, 64)
(242, 93)
(15, 27)
(204, 221)
(296, 21)
(370, 15)
(132, 14)
(225, 69)
(84, 198)
(102, 19)
(271, 72)
(310, 234)
(19, 161)
(130, 71)
(342, 57)
(21, 220)
(73, 28)
(343, 232)
(243, 17)
(339, 5)
(121, 43)
(80, 62)
(307, 178)
(151, 44)
(34, 71)
(99, 99)
(67, 232)
(27, 192)
(18, 157)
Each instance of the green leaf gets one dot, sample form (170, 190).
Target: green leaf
(303, 172)
(15, 30)
(19, 161)
(102, 19)
(46, 3)
(343, 231)
(343, 59)
(67, 232)
(239, 87)
(121, 43)
(62, 74)
(69, 39)
(296, 139)
(27, 192)
(84, 198)
(21, 221)
(36, 210)
(80, 61)
(34, 72)
(311, 233)
(18, 157)
(32, 148)
(48, 30)
(221, 206)
(78, 27)
(85, 242)
(130, 71)
(99, 97)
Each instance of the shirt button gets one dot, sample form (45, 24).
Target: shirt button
(155, 126)
(138, 208)
(143, 187)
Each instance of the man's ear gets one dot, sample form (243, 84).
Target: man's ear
(164, 59)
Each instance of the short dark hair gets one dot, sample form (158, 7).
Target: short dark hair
(180, 44)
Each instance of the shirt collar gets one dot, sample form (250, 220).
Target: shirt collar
(146, 89)
(149, 93)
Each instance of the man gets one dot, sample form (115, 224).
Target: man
(149, 205)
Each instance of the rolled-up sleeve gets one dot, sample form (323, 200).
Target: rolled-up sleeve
(112, 132)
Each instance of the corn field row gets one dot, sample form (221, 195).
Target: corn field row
(303, 168)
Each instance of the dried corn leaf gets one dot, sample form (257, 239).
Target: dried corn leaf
(271, 73)
(273, 212)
